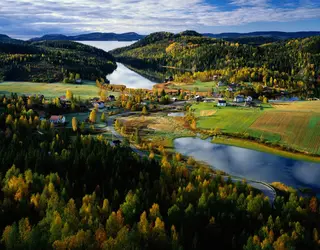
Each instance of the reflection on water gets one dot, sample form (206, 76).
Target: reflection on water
(122, 75)
(176, 114)
(125, 76)
(252, 164)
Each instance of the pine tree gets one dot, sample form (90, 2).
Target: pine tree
(103, 117)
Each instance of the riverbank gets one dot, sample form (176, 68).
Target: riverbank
(242, 143)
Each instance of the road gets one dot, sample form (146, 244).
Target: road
(264, 187)
(110, 127)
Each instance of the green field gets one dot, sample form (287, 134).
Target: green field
(295, 125)
(228, 119)
(49, 90)
(202, 86)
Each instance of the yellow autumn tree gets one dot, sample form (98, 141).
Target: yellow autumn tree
(69, 94)
(93, 116)
(74, 124)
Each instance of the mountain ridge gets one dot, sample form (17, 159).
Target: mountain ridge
(133, 36)
(95, 36)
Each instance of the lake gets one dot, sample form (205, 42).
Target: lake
(122, 75)
(251, 164)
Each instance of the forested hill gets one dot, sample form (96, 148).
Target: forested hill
(277, 35)
(97, 36)
(7, 39)
(58, 192)
(296, 59)
(52, 61)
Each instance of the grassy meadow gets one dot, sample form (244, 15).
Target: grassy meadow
(202, 86)
(158, 129)
(49, 90)
(292, 124)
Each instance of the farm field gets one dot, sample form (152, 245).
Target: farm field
(86, 90)
(307, 106)
(202, 86)
(228, 119)
(292, 124)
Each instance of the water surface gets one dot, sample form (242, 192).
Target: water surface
(122, 75)
(252, 164)
(176, 114)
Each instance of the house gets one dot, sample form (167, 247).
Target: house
(169, 79)
(174, 99)
(249, 99)
(239, 98)
(100, 105)
(112, 98)
(229, 89)
(198, 98)
(116, 142)
(222, 103)
(220, 84)
(57, 119)
(78, 81)
(63, 98)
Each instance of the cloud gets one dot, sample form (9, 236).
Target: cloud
(35, 17)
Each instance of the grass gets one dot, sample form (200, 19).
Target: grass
(49, 90)
(264, 148)
(158, 129)
(300, 130)
(228, 119)
(202, 86)
(296, 125)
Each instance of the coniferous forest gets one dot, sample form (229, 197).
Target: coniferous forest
(291, 64)
(52, 61)
(60, 190)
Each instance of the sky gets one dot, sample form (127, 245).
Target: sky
(28, 18)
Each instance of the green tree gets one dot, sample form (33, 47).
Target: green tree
(103, 117)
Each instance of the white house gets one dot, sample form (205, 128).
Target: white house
(249, 99)
(100, 105)
(222, 103)
(57, 119)
(174, 99)
(239, 98)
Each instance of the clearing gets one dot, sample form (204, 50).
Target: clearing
(159, 129)
(50, 90)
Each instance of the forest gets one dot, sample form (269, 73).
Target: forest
(290, 63)
(63, 190)
(52, 61)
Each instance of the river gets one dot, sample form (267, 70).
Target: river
(122, 75)
(246, 163)
(251, 164)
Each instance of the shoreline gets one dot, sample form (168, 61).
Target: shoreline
(242, 143)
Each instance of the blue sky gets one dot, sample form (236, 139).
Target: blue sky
(25, 18)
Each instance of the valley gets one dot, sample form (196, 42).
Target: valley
(124, 141)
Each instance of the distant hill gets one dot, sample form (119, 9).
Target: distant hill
(130, 36)
(278, 35)
(191, 51)
(52, 61)
(7, 39)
